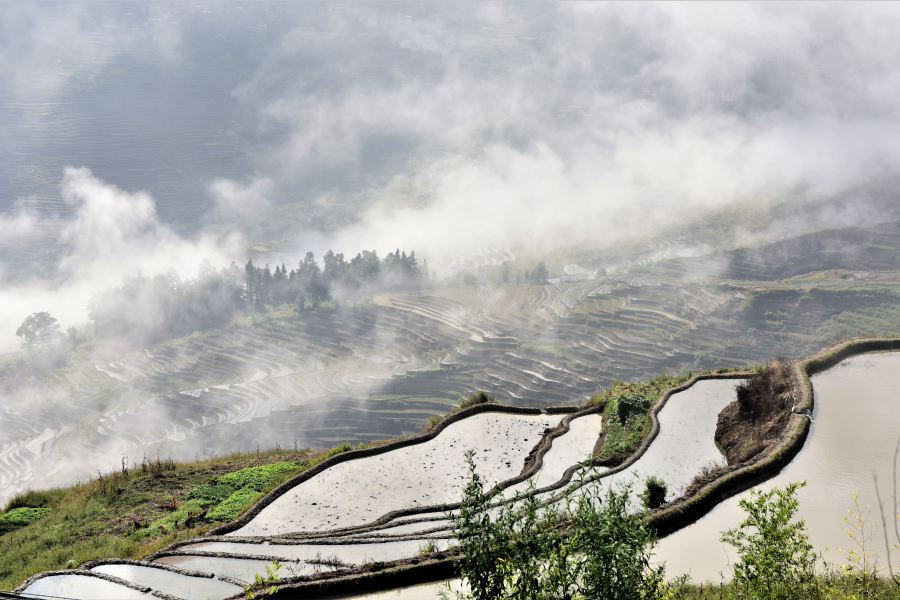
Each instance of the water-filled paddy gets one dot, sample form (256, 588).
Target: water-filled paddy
(360, 491)
(181, 586)
(566, 451)
(686, 440)
(240, 568)
(426, 591)
(83, 586)
(854, 434)
(349, 553)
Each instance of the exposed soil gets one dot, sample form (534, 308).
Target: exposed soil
(751, 423)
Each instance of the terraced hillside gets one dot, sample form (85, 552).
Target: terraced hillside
(381, 368)
(307, 524)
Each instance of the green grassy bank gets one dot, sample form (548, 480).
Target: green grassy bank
(135, 511)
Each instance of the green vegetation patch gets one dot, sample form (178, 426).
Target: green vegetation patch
(236, 491)
(627, 423)
(234, 505)
(128, 514)
(257, 478)
(18, 518)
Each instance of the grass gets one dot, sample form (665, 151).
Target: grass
(827, 587)
(120, 514)
(473, 400)
(653, 388)
(625, 430)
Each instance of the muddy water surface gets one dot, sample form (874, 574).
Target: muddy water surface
(857, 421)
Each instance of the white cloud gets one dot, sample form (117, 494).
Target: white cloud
(112, 233)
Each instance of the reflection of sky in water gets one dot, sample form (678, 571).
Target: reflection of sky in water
(566, 451)
(82, 586)
(426, 591)
(349, 553)
(181, 586)
(432, 473)
(854, 434)
(686, 440)
(241, 568)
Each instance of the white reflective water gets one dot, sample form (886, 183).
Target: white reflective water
(240, 568)
(83, 586)
(182, 586)
(427, 591)
(685, 444)
(360, 491)
(349, 553)
(568, 450)
(686, 441)
(855, 431)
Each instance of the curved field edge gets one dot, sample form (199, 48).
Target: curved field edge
(767, 464)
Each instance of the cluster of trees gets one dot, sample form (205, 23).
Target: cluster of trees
(309, 284)
(39, 331)
(153, 309)
(150, 310)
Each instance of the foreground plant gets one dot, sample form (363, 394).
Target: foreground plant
(776, 559)
(585, 546)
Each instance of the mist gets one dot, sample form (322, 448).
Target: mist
(447, 128)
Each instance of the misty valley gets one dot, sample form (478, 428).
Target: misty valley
(420, 299)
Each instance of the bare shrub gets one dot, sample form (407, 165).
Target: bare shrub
(765, 392)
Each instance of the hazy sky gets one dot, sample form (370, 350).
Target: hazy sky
(145, 136)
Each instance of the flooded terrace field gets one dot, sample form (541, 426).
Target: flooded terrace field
(853, 436)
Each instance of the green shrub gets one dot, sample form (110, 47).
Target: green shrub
(35, 499)
(234, 505)
(21, 517)
(627, 423)
(654, 494)
(777, 561)
(475, 399)
(522, 552)
(628, 405)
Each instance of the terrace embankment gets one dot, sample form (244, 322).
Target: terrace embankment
(757, 418)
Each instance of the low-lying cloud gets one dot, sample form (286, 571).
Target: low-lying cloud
(450, 128)
(111, 233)
(592, 121)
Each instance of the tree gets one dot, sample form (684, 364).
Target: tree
(540, 273)
(39, 331)
(777, 561)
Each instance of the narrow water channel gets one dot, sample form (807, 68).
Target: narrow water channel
(857, 422)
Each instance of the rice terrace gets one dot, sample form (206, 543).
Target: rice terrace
(419, 299)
